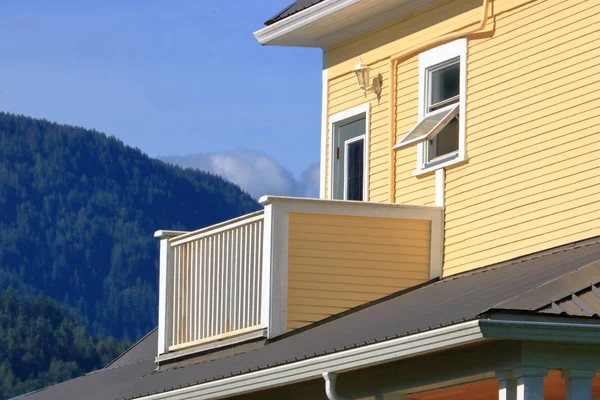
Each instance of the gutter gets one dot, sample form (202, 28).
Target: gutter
(540, 331)
(300, 19)
(330, 391)
(387, 351)
(313, 368)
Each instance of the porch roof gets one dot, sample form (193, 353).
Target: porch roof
(534, 283)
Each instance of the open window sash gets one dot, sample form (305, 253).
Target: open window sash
(428, 127)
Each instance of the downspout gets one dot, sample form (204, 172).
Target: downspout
(330, 378)
(409, 53)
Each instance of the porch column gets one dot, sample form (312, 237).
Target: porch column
(530, 382)
(507, 385)
(578, 383)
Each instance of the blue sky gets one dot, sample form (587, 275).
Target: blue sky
(171, 77)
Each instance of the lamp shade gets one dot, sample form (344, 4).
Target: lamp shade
(362, 74)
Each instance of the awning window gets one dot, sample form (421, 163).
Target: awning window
(428, 127)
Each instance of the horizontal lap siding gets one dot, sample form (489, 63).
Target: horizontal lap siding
(409, 189)
(344, 94)
(339, 262)
(532, 124)
(532, 137)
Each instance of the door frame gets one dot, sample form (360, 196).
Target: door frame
(334, 122)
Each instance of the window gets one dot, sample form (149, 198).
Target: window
(440, 132)
(348, 167)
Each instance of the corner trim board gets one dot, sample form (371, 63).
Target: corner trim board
(324, 104)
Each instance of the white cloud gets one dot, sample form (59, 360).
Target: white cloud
(254, 171)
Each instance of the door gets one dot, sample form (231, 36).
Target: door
(349, 159)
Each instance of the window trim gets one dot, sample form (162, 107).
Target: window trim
(429, 60)
(334, 121)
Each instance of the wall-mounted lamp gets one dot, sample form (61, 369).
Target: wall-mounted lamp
(362, 74)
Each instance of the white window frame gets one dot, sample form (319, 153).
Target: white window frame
(335, 120)
(428, 60)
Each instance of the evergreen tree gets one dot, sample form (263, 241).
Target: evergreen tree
(78, 213)
(40, 345)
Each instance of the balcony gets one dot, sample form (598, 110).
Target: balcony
(294, 263)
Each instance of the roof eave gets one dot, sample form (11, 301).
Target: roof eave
(313, 27)
(279, 33)
(341, 361)
(435, 340)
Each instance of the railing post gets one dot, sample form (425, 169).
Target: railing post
(275, 268)
(165, 290)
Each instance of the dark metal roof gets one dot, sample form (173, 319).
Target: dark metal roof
(527, 283)
(292, 9)
(143, 350)
(573, 294)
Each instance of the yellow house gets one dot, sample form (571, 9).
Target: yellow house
(519, 77)
(454, 251)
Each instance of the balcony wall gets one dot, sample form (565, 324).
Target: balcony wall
(297, 262)
(337, 262)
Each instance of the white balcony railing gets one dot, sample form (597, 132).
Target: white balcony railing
(263, 274)
(213, 286)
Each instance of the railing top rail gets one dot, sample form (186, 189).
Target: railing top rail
(266, 200)
(222, 226)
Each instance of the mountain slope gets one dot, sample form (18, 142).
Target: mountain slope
(78, 214)
(41, 346)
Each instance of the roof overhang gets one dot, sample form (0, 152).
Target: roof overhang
(445, 338)
(333, 21)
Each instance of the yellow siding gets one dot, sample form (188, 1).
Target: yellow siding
(409, 190)
(532, 137)
(343, 94)
(375, 48)
(339, 262)
(531, 180)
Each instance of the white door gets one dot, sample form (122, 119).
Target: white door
(349, 159)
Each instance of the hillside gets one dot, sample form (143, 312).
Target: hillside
(78, 213)
(41, 346)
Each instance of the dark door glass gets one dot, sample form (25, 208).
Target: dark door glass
(354, 180)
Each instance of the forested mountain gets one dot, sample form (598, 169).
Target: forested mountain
(78, 211)
(41, 346)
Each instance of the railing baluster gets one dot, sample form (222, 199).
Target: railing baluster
(217, 282)
(204, 269)
(257, 273)
(210, 283)
(249, 264)
(176, 281)
(235, 281)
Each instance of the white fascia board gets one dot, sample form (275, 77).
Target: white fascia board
(300, 19)
(361, 357)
